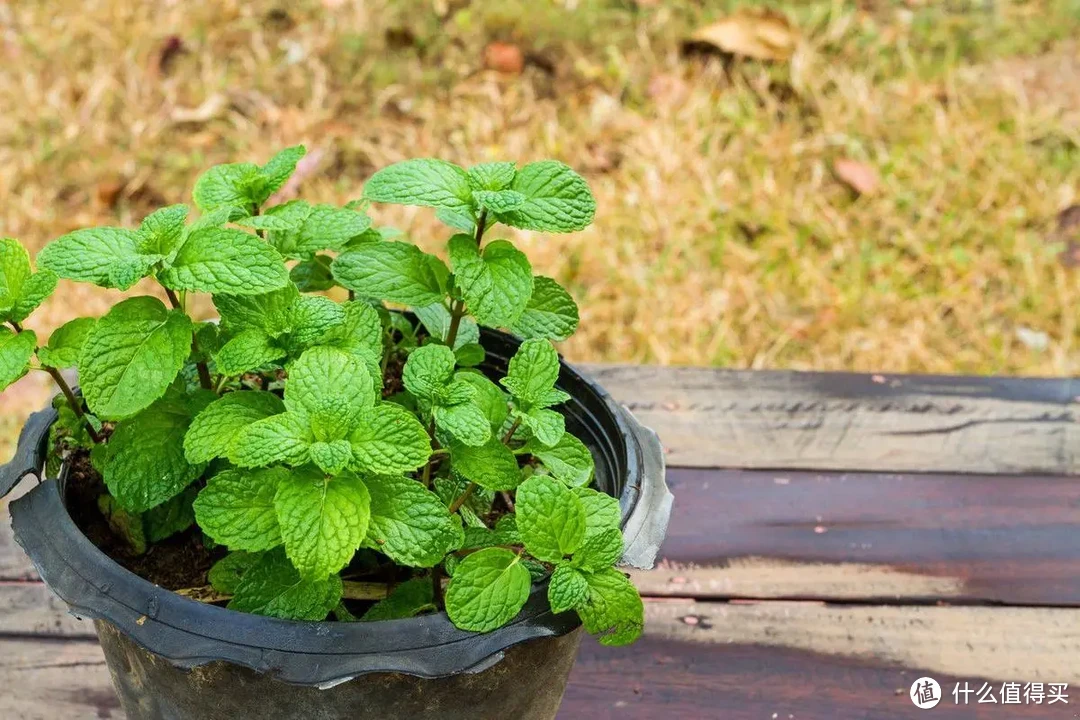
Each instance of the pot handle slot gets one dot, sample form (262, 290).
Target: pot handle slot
(645, 528)
(30, 451)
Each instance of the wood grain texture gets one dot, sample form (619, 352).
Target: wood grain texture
(843, 421)
(704, 660)
(870, 537)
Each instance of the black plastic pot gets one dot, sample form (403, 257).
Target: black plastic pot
(172, 657)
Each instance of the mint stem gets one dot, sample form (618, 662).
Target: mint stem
(456, 505)
(510, 433)
(72, 401)
(457, 307)
(200, 365)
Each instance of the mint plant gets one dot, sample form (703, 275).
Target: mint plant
(337, 449)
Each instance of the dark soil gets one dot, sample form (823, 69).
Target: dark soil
(178, 562)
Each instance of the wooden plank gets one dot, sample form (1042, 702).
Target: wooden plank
(845, 421)
(706, 660)
(30, 608)
(870, 537)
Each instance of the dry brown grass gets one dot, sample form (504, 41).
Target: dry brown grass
(723, 236)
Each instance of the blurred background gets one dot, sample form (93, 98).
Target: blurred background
(883, 185)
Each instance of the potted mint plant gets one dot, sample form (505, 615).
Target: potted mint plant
(354, 490)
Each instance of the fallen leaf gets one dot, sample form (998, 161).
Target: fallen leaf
(1068, 223)
(504, 57)
(858, 176)
(1032, 339)
(108, 192)
(172, 47)
(757, 34)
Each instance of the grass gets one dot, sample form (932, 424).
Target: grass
(723, 236)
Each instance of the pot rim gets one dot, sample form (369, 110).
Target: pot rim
(190, 633)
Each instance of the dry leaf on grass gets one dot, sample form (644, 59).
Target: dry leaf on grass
(858, 176)
(504, 57)
(761, 35)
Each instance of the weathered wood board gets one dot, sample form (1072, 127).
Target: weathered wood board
(697, 657)
(844, 421)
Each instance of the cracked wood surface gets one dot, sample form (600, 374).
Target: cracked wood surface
(845, 421)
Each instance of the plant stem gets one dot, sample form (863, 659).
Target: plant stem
(456, 505)
(436, 586)
(73, 402)
(200, 365)
(457, 307)
(510, 433)
(352, 591)
(435, 447)
(506, 499)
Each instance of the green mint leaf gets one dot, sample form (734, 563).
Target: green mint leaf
(492, 465)
(37, 288)
(170, 517)
(132, 355)
(225, 574)
(489, 397)
(458, 221)
(470, 354)
(160, 231)
(496, 284)
(602, 511)
(427, 370)
(279, 169)
(324, 227)
(15, 353)
(66, 343)
(331, 457)
(488, 590)
(388, 439)
(423, 181)
(477, 538)
(436, 318)
(273, 587)
(550, 518)
(331, 388)
(127, 525)
(600, 551)
(466, 421)
(550, 313)
(140, 479)
(249, 350)
(361, 333)
(407, 600)
(284, 438)
(313, 275)
(270, 312)
(220, 260)
(547, 426)
(492, 176)
(108, 257)
(227, 186)
(323, 520)
(409, 523)
(557, 199)
(568, 460)
(21, 291)
(500, 201)
(236, 508)
(284, 217)
(613, 609)
(214, 430)
(14, 272)
(567, 589)
(392, 271)
(313, 317)
(532, 374)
